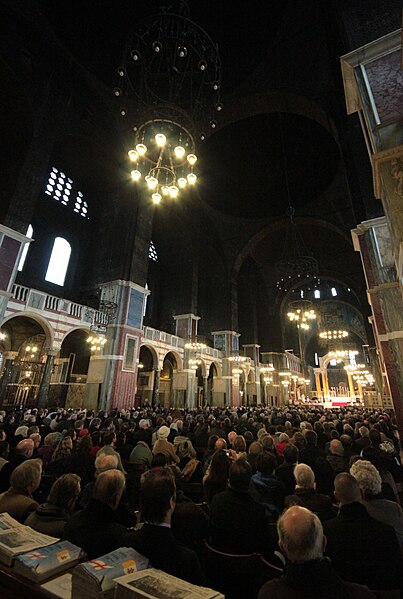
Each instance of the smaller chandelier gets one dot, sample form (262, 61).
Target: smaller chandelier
(96, 342)
(237, 358)
(195, 345)
(194, 363)
(237, 371)
(269, 368)
(301, 316)
(333, 334)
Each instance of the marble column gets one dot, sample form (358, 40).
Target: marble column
(156, 386)
(43, 392)
(5, 378)
(351, 385)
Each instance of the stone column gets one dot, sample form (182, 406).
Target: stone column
(205, 389)
(351, 385)
(43, 392)
(156, 386)
(326, 391)
(318, 385)
(9, 358)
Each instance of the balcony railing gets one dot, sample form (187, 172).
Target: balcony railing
(40, 300)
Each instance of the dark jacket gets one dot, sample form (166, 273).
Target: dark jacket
(285, 472)
(362, 549)
(320, 504)
(315, 579)
(237, 523)
(268, 490)
(48, 519)
(95, 529)
(165, 552)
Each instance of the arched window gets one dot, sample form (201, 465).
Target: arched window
(317, 293)
(59, 262)
(334, 291)
(29, 234)
(152, 252)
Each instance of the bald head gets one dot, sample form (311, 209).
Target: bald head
(25, 448)
(220, 444)
(346, 489)
(300, 535)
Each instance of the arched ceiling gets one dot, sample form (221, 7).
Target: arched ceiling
(243, 165)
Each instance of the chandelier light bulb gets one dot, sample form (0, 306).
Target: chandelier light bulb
(156, 197)
(173, 191)
(182, 182)
(121, 72)
(191, 178)
(141, 149)
(165, 190)
(152, 182)
(216, 86)
(135, 175)
(192, 159)
(160, 139)
(117, 91)
(157, 47)
(179, 152)
(202, 65)
(133, 155)
(135, 55)
(182, 52)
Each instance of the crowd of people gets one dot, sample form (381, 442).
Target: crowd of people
(324, 487)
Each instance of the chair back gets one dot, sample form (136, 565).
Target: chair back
(237, 576)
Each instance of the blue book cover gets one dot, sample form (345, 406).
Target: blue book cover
(102, 571)
(46, 561)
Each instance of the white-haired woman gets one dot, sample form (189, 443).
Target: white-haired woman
(378, 507)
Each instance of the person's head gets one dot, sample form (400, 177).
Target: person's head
(346, 489)
(266, 463)
(220, 444)
(27, 476)
(4, 449)
(25, 448)
(368, 477)
(36, 438)
(219, 467)
(109, 487)
(84, 444)
(290, 454)
(109, 438)
(255, 448)
(212, 441)
(304, 476)
(346, 441)
(240, 474)
(231, 437)
(163, 433)
(375, 437)
(364, 431)
(157, 495)
(239, 444)
(267, 442)
(283, 438)
(298, 440)
(159, 460)
(301, 535)
(311, 438)
(63, 448)
(65, 492)
(144, 424)
(104, 462)
(336, 448)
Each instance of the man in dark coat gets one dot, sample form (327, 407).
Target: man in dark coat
(155, 540)
(95, 528)
(285, 472)
(305, 494)
(307, 573)
(237, 521)
(362, 549)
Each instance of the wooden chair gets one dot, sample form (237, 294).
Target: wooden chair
(237, 576)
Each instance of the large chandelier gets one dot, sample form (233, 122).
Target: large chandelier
(301, 314)
(169, 93)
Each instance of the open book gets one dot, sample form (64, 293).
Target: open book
(42, 563)
(96, 578)
(155, 584)
(17, 538)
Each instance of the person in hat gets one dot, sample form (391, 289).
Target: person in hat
(162, 445)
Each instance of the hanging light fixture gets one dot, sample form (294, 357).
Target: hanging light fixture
(169, 82)
(333, 334)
